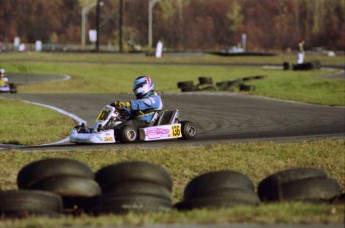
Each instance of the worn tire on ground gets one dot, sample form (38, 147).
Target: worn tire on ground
(42, 169)
(205, 80)
(69, 186)
(221, 199)
(309, 190)
(210, 182)
(133, 171)
(282, 177)
(185, 84)
(108, 203)
(137, 188)
(22, 203)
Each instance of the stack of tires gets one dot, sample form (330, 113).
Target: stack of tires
(229, 85)
(299, 184)
(134, 186)
(205, 83)
(24, 203)
(72, 180)
(186, 86)
(218, 189)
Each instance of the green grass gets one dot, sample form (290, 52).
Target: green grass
(109, 77)
(256, 160)
(27, 124)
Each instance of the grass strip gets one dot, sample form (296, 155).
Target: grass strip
(256, 160)
(27, 124)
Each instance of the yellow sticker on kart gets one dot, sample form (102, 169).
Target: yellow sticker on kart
(176, 130)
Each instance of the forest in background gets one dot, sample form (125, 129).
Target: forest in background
(181, 24)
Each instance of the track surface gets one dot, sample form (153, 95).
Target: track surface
(218, 116)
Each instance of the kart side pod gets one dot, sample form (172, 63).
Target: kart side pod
(160, 132)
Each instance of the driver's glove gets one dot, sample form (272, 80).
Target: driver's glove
(121, 104)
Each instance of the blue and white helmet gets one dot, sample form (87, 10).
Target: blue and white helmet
(142, 86)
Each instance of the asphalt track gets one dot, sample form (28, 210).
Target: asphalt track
(218, 116)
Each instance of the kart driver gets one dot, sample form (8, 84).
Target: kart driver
(3, 79)
(142, 109)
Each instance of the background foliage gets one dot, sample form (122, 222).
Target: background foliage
(182, 24)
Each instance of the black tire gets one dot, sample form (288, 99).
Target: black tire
(133, 171)
(138, 188)
(248, 78)
(259, 77)
(108, 203)
(24, 202)
(203, 87)
(309, 190)
(69, 186)
(286, 66)
(276, 180)
(185, 84)
(128, 134)
(247, 88)
(338, 199)
(303, 66)
(222, 199)
(206, 184)
(188, 89)
(39, 170)
(13, 88)
(205, 80)
(188, 129)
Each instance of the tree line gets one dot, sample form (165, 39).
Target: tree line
(180, 24)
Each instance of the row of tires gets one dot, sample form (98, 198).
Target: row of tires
(58, 186)
(206, 83)
(314, 65)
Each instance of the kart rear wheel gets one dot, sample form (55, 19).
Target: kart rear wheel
(129, 134)
(188, 130)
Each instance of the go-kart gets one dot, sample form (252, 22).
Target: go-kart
(8, 88)
(110, 127)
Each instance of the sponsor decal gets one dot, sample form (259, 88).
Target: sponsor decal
(154, 133)
(107, 139)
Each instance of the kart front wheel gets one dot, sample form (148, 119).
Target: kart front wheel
(188, 130)
(129, 134)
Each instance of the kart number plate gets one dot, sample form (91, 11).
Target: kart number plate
(176, 130)
(104, 115)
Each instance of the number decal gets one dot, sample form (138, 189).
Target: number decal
(108, 139)
(103, 115)
(176, 130)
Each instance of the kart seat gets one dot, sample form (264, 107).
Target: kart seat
(165, 117)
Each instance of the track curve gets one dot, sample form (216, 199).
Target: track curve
(218, 116)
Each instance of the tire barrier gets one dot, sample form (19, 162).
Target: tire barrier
(132, 186)
(219, 189)
(299, 184)
(68, 178)
(314, 65)
(206, 83)
(24, 203)
(57, 186)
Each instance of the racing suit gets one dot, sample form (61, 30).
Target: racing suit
(141, 111)
(3, 81)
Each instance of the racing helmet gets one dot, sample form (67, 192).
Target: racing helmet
(2, 72)
(142, 86)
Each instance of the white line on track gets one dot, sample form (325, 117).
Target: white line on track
(76, 118)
